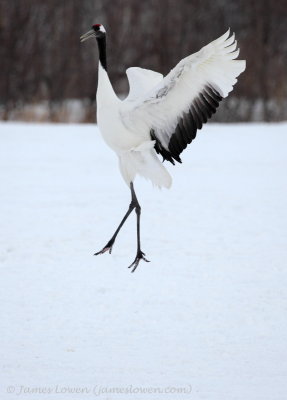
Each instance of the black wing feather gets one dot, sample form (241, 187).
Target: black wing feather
(200, 111)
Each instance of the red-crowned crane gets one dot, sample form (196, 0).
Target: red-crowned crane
(161, 114)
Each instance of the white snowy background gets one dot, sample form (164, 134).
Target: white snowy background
(209, 310)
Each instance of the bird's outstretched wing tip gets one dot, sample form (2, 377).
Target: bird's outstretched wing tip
(227, 34)
(222, 38)
(243, 64)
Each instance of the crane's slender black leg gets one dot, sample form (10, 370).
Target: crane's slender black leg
(140, 255)
(108, 247)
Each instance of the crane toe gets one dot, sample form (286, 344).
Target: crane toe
(140, 256)
(108, 247)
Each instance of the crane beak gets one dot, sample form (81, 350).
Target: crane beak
(88, 35)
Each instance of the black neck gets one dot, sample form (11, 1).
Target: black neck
(102, 51)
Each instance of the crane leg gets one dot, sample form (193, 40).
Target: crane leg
(108, 247)
(140, 255)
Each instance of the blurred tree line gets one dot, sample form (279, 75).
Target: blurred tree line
(42, 59)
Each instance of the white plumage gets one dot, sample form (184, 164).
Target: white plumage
(141, 81)
(134, 148)
(162, 114)
(155, 102)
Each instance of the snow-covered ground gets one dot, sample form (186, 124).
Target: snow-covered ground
(206, 315)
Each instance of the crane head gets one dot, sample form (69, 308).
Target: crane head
(97, 31)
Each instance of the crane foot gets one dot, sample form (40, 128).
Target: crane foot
(140, 256)
(108, 247)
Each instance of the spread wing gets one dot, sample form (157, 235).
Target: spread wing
(141, 81)
(179, 104)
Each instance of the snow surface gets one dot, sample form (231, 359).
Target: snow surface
(209, 310)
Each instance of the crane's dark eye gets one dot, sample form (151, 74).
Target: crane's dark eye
(96, 27)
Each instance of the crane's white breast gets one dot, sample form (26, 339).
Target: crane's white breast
(113, 130)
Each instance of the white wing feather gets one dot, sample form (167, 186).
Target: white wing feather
(141, 81)
(160, 108)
